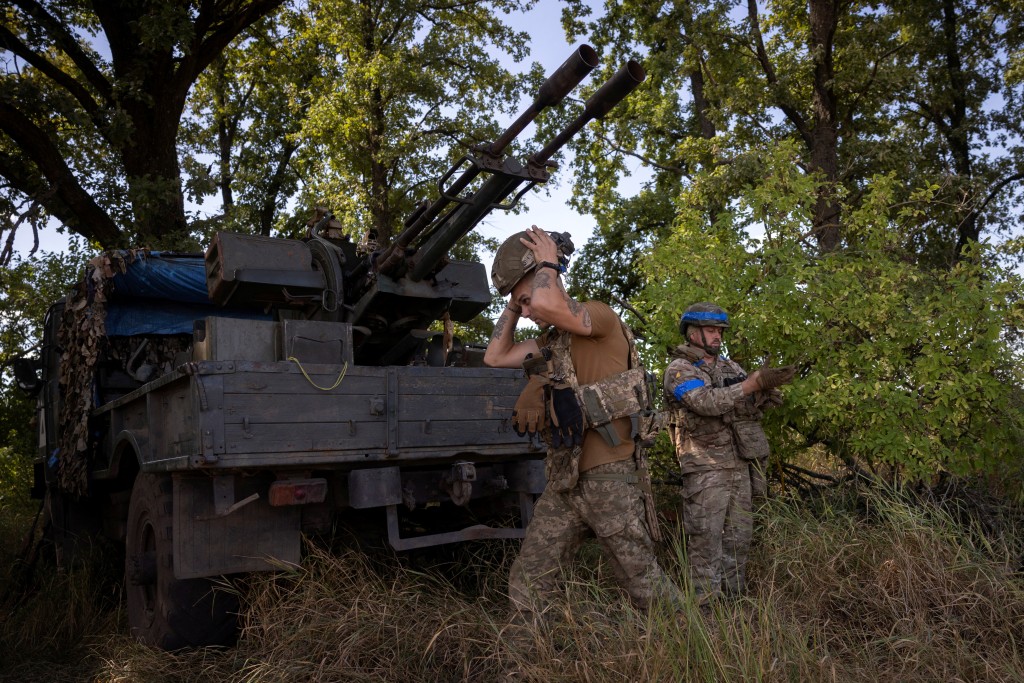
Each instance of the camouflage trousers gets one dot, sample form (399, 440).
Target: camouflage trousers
(718, 523)
(613, 511)
(758, 480)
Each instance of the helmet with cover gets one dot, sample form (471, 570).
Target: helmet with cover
(514, 260)
(703, 314)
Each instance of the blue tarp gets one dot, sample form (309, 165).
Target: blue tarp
(170, 277)
(127, 318)
(163, 293)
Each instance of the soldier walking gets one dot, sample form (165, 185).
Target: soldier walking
(715, 412)
(585, 379)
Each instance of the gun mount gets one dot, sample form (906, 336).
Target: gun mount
(391, 296)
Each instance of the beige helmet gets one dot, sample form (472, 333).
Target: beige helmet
(513, 260)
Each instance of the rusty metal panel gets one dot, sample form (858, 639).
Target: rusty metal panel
(271, 406)
(447, 404)
(465, 435)
(392, 411)
(252, 537)
(210, 390)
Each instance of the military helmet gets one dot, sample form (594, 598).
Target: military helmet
(703, 314)
(514, 260)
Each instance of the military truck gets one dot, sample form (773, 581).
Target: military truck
(207, 410)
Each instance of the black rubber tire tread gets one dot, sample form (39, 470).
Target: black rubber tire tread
(171, 613)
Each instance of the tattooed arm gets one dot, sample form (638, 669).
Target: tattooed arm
(548, 299)
(503, 351)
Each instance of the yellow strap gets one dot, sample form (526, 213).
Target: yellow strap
(337, 382)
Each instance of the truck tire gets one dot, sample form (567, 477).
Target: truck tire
(163, 611)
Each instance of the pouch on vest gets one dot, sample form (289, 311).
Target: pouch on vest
(611, 398)
(562, 468)
(538, 365)
(751, 442)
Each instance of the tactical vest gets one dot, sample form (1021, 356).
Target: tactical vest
(627, 394)
(744, 421)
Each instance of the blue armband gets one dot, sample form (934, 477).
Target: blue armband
(688, 385)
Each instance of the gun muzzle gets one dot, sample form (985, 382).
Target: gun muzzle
(615, 90)
(552, 91)
(566, 77)
(600, 103)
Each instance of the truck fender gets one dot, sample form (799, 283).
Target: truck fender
(128, 443)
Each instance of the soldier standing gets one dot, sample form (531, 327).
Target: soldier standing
(715, 428)
(583, 370)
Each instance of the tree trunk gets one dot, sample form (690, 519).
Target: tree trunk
(824, 130)
(957, 134)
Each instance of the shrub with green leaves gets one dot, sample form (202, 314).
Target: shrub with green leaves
(902, 364)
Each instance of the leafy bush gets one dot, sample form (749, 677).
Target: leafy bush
(902, 364)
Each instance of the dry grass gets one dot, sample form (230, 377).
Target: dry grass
(841, 592)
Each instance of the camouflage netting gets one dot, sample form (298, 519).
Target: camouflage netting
(82, 334)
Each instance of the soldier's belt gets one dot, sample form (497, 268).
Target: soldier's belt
(628, 477)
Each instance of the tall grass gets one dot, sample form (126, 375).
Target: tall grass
(871, 588)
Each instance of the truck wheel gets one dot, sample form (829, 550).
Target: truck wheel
(163, 611)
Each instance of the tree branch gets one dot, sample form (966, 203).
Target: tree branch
(649, 162)
(69, 45)
(84, 215)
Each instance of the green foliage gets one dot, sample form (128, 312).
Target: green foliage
(918, 90)
(901, 364)
(355, 106)
(27, 288)
(93, 99)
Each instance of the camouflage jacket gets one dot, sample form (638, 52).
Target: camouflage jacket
(705, 401)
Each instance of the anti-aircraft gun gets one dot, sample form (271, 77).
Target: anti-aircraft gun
(391, 296)
(208, 409)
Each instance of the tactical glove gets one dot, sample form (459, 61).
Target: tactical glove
(769, 378)
(768, 399)
(566, 417)
(528, 413)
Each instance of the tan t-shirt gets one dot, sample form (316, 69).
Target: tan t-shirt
(603, 354)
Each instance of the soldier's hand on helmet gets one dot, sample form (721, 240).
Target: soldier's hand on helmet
(528, 415)
(769, 378)
(541, 244)
(567, 425)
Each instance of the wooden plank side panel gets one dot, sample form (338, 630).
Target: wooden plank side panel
(305, 437)
(462, 384)
(456, 434)
(288, 379)
(455, 407)
(316, 408)
(448, 409)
